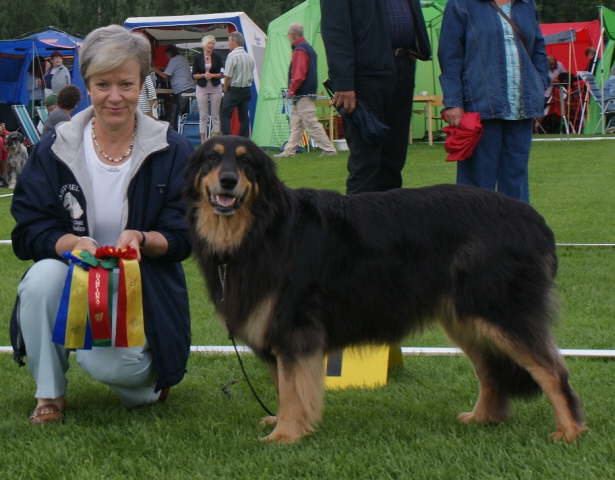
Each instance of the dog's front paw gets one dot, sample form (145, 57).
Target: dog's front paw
(567, 435)
(281, 437)
(265, 421)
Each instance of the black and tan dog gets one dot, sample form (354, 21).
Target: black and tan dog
(298, 273)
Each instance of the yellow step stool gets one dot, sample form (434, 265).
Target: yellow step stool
(361, 366)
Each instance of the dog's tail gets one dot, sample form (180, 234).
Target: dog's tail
(508, 378)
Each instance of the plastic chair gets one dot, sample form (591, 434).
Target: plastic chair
(27, 125)
(607, 105)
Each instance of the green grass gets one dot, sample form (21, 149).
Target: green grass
(405, 430)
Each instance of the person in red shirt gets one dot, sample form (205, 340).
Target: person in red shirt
(302, 93)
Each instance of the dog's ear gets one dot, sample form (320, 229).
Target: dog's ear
(267, 179)
(20, 137)
(191, 172)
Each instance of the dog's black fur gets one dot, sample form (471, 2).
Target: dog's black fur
(18, 154)
(298, 273)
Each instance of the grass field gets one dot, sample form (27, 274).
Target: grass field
(405, 430)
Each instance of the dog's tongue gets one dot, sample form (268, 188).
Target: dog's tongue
(225, 200)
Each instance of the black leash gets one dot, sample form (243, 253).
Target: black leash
(222, 267)
(245, 375)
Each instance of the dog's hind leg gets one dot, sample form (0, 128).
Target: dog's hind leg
(548, 371)
(301, 391)
(493, 404)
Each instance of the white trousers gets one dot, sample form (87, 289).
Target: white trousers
(209, 106)
(128, 371)
(303, 117)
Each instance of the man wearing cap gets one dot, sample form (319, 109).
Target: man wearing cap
(57, 75)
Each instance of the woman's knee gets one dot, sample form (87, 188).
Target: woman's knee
(44, 277)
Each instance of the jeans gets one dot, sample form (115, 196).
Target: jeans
(235, 97)
(389, 97)
(500, 160)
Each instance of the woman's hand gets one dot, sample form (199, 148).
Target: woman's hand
(70, 242)
(453, 116)
(131, 238)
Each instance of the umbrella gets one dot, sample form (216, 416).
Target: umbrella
(461, 141)
(362, 120)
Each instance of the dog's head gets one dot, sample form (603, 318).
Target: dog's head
(13, 142)
(228, 180)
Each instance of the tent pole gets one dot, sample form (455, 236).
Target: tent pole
(602, 125)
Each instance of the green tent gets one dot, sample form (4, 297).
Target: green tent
(602, 71)
(271, 122)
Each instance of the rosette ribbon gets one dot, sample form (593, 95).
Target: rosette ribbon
(85, 315)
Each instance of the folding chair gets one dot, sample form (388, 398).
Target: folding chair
(607, 105)
(27, 125)
(189, 127)
(41, 112)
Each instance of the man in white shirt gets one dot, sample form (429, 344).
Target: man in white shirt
(238, 78)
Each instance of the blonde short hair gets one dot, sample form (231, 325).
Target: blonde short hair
(207, 39)
(106, 48)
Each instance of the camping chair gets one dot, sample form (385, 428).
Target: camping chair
(41, 112)
(607, 105)
(189, 127)
(27, 125)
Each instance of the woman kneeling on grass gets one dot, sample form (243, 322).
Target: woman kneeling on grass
(112, 177)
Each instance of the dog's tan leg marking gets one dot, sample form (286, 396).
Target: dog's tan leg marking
(549, 373)
(273, 368)
(300, 398)
(491, 406)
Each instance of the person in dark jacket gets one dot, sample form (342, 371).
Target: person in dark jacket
(110, 176)
(206, 70)
(372, 47)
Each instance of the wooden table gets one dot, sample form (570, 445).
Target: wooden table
(430, 101)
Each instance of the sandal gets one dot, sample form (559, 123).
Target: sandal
(48, 413)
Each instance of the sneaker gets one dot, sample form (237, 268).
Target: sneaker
(284, 155)
(328, 154)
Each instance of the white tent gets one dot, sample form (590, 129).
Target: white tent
(187, 31)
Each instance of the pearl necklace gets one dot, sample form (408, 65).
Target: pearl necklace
(107, 157)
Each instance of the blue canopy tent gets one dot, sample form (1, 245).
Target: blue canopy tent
(15, 58)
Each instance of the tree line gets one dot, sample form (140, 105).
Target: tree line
(19, 17)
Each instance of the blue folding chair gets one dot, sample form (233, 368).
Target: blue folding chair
(606, 104)
(41, 112)
(27, 125)
(189, 127)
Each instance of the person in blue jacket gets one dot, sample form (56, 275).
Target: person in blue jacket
(490, 68)
(110, 176)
